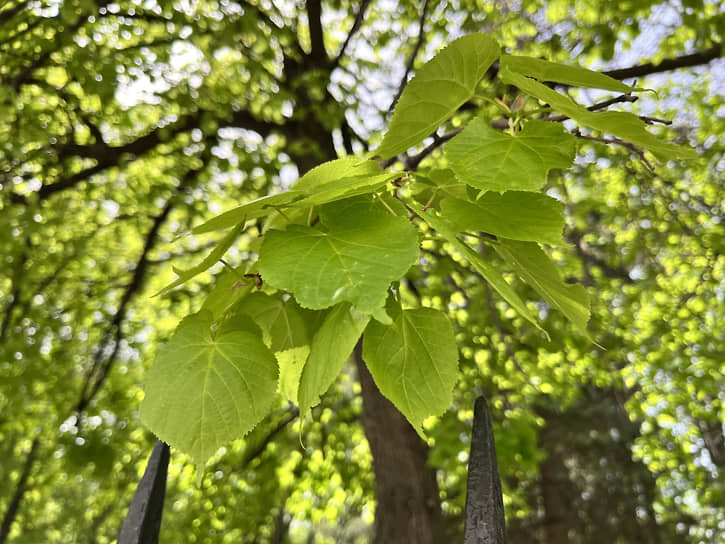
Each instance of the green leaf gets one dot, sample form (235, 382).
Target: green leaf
(364, 249)
(514, 214)
(414, 362)
(624, 125)
(210, 260)
(333, 170)
(316, 193)
(491, 160)
(204, 391)
(346, 188)
(431, 187)
(331, 346)
(283, 322)
(544, 70)
(229, 288)
(291, 362)
(251, 210)
(535, 267)
(439, 88)
(489, 273)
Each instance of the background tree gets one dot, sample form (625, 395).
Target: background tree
(125, 124)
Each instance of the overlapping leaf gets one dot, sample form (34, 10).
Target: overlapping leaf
(625, 125)
(318, 190)
(251, 210)
(363, 249)
(209, 261)
(331, 346)
(487, 271)
(535, 267)
(492, 160)
(437, 91)
(544, 70)
(284, 323)
(327, 172)
(414, 362)
(514, 214)
(203, 390)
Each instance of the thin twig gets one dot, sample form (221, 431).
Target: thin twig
(359, 18)
(615, 141)
(414, 54)
(596, 107)
(411, 163)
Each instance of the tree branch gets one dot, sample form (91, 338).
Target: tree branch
(317, 38)
(359, 18)
(20, 488)
(110, 156)
(685, 61)
(413, 55)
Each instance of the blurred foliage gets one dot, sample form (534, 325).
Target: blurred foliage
(123, 124)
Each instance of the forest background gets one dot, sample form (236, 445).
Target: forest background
(125, 124)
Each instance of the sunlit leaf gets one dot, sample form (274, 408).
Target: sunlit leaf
(362, 249)
(514, 214)
(535, 267)
(210, 260)
(203, 390)
(437, 91)
(331, 346)
(414, 362)
(625, 125)
(492, 160)
(489, 272)
(544, 70)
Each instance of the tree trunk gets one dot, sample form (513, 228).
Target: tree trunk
(554, 481)
(408, 505)
(20, 489)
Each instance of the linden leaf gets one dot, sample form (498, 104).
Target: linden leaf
(624, 125)
(514, 214)
(438, 89)
(414, 362)
(363, 249)
(537, 269)
(544, 70)
(203, 390)
(491, 160)
(284, 323)
(334, 170)
(331, 346)
(489, 272)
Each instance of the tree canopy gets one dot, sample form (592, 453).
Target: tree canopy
(356, 217)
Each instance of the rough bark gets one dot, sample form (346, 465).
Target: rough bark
(553, 480)
(408, 505)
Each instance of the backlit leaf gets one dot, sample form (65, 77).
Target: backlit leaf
(363, 249)
(537, 269)
(487, 271)
(544, 70)
(514, 214)
(414, 362)
(209, 261)
(331, 346)
(283, 321)
(333, 170)
(437, 91)
(625, 125)
(203, 390)
(492, 160)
